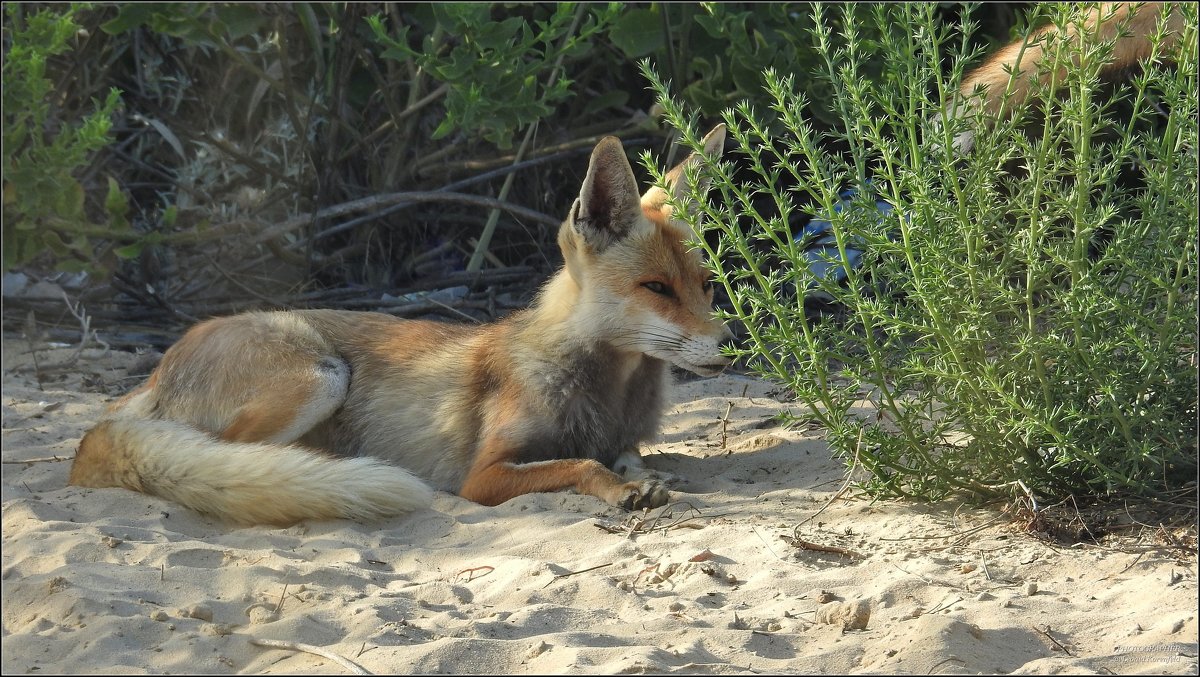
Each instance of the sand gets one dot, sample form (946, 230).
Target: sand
(109, 581)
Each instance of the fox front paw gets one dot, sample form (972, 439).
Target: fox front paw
(645, 494)
(629, 465)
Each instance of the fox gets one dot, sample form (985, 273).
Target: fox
(277, 417)
(1008, 78)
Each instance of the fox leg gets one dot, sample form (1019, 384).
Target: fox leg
(305, 396)
(497, 482)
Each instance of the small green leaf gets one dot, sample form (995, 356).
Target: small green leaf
(69, 202)
(497, 34)
(617, 97)
(446, 126)
(240, 20)
(54, 242)
(131, 15)
(637, 33)
(130, 251)
(454, 15)
(115, 203)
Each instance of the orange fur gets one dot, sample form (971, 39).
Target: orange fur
(1009, 78)
(1021, 57)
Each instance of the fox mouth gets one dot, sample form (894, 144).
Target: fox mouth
(711, 369)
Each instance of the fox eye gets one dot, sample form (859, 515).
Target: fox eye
(706, 286)
(659, 288)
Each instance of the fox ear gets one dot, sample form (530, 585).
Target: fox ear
(607, 208)
(654, 202)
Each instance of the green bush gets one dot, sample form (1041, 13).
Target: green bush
(1025, 314)
(502, 68)
(44, 206)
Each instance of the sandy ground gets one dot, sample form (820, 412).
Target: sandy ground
(111, 581)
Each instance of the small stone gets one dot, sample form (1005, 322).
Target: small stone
(1006, 604)
(1031, 588)
(111, 541)
(850, 615)
(216, 629)
(774, 626)
(984, 596)
(675, 606)
(967, 568)
(158, 615)
(261, 615)
(537, 650)
(200, 611)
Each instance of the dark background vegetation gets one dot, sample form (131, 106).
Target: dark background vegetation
(287, 155)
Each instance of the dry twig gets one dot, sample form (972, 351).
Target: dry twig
(471, 572)
(572, 573)
(1046, 633)
(309, 648)
(45, 459)
(817, 547)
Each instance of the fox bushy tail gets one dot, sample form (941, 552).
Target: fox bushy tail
(243, 483)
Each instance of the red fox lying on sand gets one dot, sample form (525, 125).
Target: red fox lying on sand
(277, 417)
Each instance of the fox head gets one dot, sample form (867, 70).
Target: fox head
(641, 288)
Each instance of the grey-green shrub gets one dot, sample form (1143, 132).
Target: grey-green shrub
(1026, 314)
